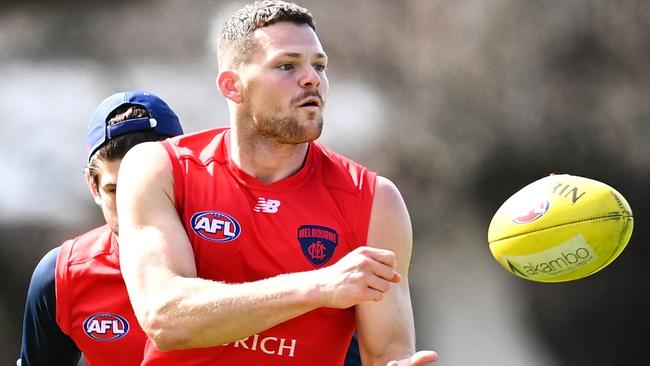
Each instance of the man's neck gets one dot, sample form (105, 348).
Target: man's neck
(265, 159)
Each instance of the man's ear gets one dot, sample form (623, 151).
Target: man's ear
(94, 190)
(229, 85)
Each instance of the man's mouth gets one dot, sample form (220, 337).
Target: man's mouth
(310, 102)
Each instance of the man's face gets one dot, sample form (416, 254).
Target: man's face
(284, 83)
(104, 191)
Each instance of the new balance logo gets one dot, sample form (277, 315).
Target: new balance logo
(266, 206)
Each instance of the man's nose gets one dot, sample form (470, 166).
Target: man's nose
(310, 77)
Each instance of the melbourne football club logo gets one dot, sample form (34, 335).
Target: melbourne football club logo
(318, 243)
(215, 226)
(105, 327)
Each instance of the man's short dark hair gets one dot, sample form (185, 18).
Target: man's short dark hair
(235, 41)
(116, 148)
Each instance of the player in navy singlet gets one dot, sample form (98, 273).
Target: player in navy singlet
(77, 302)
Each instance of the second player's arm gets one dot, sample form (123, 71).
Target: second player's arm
(178, 310)
(43, 341)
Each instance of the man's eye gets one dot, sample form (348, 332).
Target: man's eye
(287, 67)
(320, 67)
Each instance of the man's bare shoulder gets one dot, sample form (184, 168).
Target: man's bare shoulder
(146, 168)
(387, 195)
(146, 158)
(390, 224)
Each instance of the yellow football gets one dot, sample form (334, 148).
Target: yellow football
(560, 228)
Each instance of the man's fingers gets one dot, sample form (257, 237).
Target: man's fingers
(378, 284)
(423, 357)
(384, 256)
(384, 263)
(386, 272)
(418, 359)
(372, 295)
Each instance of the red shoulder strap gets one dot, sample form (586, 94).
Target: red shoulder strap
(177, 173)
(367, 193)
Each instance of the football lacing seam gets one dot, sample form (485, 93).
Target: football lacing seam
(613, 216)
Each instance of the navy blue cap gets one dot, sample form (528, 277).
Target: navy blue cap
(161, 120)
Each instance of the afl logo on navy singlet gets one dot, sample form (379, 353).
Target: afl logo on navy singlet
(215, 226)
(105, 327)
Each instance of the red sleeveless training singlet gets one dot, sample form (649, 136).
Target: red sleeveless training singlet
(242, 230)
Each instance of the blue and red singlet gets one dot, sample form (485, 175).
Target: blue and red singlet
(92, 304)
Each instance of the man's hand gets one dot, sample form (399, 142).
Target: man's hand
(419, 358)
(365, 274)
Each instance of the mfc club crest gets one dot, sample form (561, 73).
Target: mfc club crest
(318, 243)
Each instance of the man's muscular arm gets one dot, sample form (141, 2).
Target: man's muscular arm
(386, 329)
(178, 310)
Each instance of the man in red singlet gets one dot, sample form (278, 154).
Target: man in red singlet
(77, 302)
(255, 244)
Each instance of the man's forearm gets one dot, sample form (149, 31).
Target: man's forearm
(194, 312)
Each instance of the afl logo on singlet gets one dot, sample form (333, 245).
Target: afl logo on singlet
(215, 226)
(106, 327)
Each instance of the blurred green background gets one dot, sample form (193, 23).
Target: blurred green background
(460, 103)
